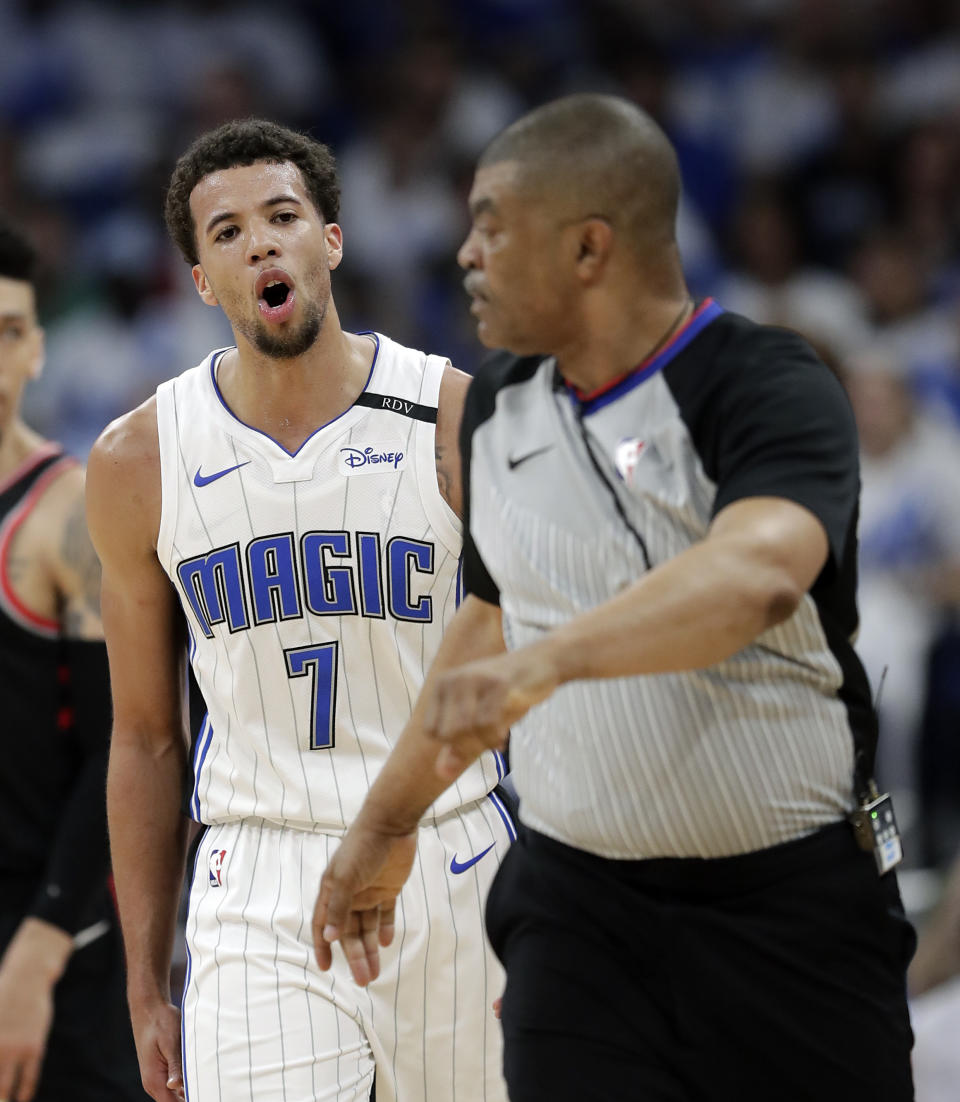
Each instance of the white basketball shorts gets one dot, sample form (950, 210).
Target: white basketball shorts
(262, 1023)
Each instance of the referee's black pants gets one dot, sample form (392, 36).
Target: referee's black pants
(776, 976)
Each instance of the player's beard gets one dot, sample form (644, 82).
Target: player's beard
(288, 346)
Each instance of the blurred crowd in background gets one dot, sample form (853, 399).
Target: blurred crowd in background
(819, 142)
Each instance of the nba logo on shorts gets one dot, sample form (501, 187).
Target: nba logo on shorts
(217, 857)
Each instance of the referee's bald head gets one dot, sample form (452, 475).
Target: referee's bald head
(599, 155)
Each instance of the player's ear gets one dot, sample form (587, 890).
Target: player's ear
(334, 238)
(204, 290)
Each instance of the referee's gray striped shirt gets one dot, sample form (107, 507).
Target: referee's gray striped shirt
(754, 751)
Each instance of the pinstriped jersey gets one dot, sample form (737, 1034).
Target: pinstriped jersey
(571, 498)
(315, 586)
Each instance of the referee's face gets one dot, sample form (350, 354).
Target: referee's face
(520, 265)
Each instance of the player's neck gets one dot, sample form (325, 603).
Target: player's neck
(289, 399)
(17, 443)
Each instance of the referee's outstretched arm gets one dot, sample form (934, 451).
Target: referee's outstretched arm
(358, 892)
(759, 558)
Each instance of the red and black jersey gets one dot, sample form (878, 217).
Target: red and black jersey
(54, 736)
(38, 759)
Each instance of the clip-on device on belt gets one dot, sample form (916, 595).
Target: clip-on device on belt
(873, 821)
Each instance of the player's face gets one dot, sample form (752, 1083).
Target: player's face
(265, 255)
(21, 345)
(519, 266)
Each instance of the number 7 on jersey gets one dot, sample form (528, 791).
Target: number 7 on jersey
(319, 660)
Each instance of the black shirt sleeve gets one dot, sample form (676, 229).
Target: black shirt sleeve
(477, 407)
(785, 429)
(75, 876)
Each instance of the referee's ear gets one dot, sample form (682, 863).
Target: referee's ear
(594, 245)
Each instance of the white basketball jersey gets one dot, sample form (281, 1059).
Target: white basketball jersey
(316, 587)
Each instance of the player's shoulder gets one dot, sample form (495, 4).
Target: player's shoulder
(133, 435)
(57, 480)
(127, 452)
(65, 484)
(123, 480)
(454, 385)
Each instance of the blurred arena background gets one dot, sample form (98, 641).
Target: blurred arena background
(820, 147)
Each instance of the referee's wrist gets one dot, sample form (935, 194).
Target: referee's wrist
(387, 817)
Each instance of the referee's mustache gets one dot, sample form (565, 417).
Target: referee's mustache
(472, 284)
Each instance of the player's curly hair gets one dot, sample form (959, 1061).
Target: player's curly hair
(18, 258)
(245, 142)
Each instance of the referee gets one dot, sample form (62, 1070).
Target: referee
(661, 569)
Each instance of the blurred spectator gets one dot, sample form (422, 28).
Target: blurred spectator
(120, 341)
(773, 285)
(934, 981)
(909, 557)
(404, 214)
(923, 337)
(842, 191)
(924, 191)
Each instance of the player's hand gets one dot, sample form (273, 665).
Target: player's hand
(26, 1013)
(357, 898)
(472, 706)
(33, 962)
(156, 1030)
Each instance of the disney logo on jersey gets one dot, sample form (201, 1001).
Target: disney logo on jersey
(371, 457)
(215, 864)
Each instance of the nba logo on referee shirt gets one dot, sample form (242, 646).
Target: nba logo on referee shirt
(217, 858)
(627, 456)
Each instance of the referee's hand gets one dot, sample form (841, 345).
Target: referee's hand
(473, 706)
(357, 898)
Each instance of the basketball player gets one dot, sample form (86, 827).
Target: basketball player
(661, 547)
(64, 1031)
(285, 514)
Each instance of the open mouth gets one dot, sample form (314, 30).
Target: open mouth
(275, 295)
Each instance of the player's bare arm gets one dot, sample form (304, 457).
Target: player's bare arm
(54, 565)
(359, 888)
(78, 570)
(146, 648)
(760, 557)
(453, 391)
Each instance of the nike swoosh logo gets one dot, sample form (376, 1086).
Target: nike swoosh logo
(457, 867)
(516, 461)
(205, 479)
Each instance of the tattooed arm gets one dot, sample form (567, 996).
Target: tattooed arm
(72, 894)
(77, 571)
(453, 390)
